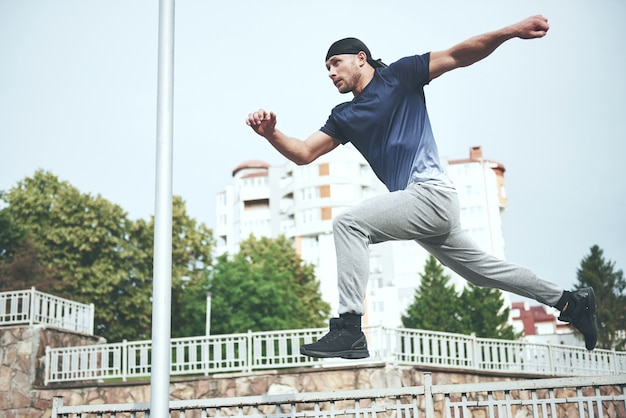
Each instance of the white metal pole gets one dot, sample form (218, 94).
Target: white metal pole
(33, 306)
(162, 282)
(208, 313)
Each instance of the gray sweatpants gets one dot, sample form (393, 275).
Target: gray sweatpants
(430, 216)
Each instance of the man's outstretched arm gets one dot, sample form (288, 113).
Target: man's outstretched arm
(300, 152)
(479, 47)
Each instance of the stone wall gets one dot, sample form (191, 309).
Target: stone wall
(23, 394)
(300, 380)
(22, 365)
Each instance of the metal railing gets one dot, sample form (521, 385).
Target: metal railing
(281, 349)
(602, 396)
(32, 307)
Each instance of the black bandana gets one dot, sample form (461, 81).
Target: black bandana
(352, 46)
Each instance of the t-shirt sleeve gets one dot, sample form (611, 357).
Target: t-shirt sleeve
(331, 127)
(413, 71)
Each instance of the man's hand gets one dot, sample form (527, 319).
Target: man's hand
(262, 122)
(532, 27)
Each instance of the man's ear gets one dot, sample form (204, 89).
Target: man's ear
(362, 58)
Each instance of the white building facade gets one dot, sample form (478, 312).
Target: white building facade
(300, 202)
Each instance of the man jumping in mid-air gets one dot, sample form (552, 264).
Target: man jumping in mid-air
(388, 123)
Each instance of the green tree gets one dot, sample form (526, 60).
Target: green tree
(435, 306)
(23, 268)
(609, 286)
(484, 313)
(192, 246)
(438, 307)
(86, 249)
(82, 242)
(20, 260)
(265, 286)
(12, 236)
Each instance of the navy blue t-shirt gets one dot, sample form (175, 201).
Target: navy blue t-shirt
(389, 125)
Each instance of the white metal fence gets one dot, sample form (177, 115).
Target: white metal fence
(32, 307)
(281, 349)
(602, 396)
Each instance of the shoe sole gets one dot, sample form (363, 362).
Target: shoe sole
(347, 354)
(592, 310)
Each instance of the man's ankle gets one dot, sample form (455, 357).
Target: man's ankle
(563, 302)
(351, 321)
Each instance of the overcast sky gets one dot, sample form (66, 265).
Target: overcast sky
(78, 85)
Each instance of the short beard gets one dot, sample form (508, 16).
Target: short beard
(350, 84)
(345, 89)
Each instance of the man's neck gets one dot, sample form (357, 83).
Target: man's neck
(366, 77)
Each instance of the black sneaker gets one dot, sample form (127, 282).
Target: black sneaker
(341, 341)
(581, 312)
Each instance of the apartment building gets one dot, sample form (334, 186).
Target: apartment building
(539, 324)
(301, 201)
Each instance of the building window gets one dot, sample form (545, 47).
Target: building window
(309, 215)
(309, 193)
(308, 171)
(365, 171)
(544, 328)
(375, 265)
(324, 169)
(339, 169)
(256, 204)
(472, 190)
(342, 191)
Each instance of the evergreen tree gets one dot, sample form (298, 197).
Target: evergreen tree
(483, 313)
(438, 307)
(609, 286)
(435, 306)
